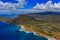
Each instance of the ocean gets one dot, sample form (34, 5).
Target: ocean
(11, 32)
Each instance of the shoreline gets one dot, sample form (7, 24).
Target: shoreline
(23, 29)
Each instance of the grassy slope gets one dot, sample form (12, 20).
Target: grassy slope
(42, 24)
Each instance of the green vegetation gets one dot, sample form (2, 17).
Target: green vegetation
(46, 24)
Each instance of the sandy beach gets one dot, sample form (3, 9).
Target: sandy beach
(23, 29)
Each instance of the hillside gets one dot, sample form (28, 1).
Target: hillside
(44, 24)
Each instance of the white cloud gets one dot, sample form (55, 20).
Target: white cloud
(57, 5)
(21, 3)
(48, 6)
(10, 6)
(39, 6)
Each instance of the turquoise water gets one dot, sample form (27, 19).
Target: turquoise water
(11, 32)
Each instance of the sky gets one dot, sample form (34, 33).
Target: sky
(28, 6)
(31, 3)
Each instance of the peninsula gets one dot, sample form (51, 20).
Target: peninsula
(46, 24)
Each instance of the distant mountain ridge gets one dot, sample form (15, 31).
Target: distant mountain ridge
(46, 13)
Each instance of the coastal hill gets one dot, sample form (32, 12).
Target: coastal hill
(46, 24)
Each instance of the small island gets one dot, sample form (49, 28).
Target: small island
(46, 24)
